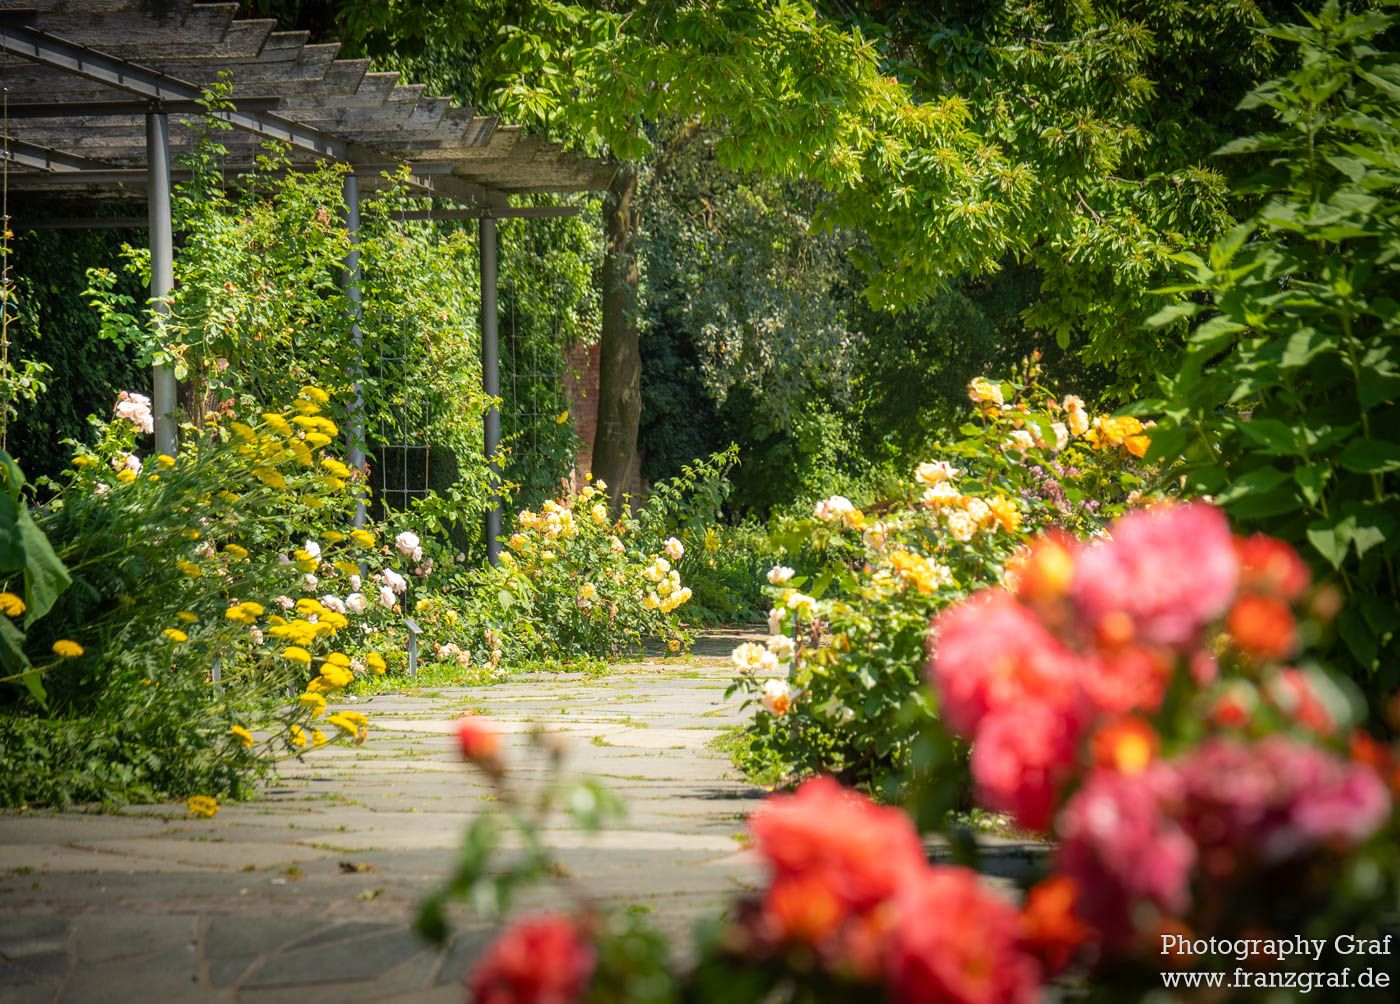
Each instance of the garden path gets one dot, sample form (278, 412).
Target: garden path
(307, 894)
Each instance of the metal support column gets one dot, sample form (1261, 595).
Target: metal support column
(162, 267)
(491, 380)
(356, 426)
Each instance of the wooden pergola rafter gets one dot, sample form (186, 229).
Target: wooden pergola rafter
(100, 93)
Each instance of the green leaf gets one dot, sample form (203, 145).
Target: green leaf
(1172, 313)
(1302, 346)
(1312, 478)
(1331, 540)
(1260, 481)
(11, 476)
(35, 687)
(45, 577)
(1370, 456)
(12, 657)
(1360, 640)
(11, 540)
(1277, 436)
(1167, 444)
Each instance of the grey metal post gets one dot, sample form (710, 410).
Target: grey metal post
(350, 188)
(491, 380)
(162, 267)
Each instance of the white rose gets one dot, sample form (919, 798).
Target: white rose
(1019, 442)
(335, 603)
(386, 596)
(777, 697)
(675, 550)
(833, 508)
(962, 526)
(780, 574)
(801, 603)
(309, 582)
(356, 603)
(136, 409)
(407, 543)
(775, 620)
(781, 646)
(935, 473)
(312, 548)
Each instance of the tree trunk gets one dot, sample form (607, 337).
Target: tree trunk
(619, 351)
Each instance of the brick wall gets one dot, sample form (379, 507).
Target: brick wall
(581, 391)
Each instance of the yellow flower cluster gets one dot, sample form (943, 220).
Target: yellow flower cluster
(242, 735)
(964, 515)
(668, 593)
(1126, 433)
(244, 613)
(11, 605)
(920, 571)
(553, 520)
(202, 806)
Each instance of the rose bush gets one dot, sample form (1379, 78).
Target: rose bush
(204, 587)
(839, 685)
(1146, 699)
(1196, 784)
(576, 579)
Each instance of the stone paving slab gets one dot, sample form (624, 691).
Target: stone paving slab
(255, 905)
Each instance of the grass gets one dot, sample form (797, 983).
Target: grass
(429, 676)
(444, 674)
(736, 744)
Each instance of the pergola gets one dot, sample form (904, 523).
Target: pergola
(99, 95)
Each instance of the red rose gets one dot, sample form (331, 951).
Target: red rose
(956, 942)
(540, 960)
(1270, 566)
(1160, 577)
(479, 742)
(993, 653)
(835, 857)
(1050, 927)
(1263, 627)
(1022, 758)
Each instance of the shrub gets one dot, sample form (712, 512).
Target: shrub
(577, 581)
(1146, 696)
(1285, 405)
(838, 684)
(181, 565)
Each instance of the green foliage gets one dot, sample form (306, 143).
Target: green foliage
(1113, 109)
(549, 303)
(732, 261)
(575, 581)
(724, 565)
(135, 578)
(53, 327)
(1284, 406)
(39, 578)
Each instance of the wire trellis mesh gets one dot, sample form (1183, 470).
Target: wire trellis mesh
(405, 456)
(533, 405)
